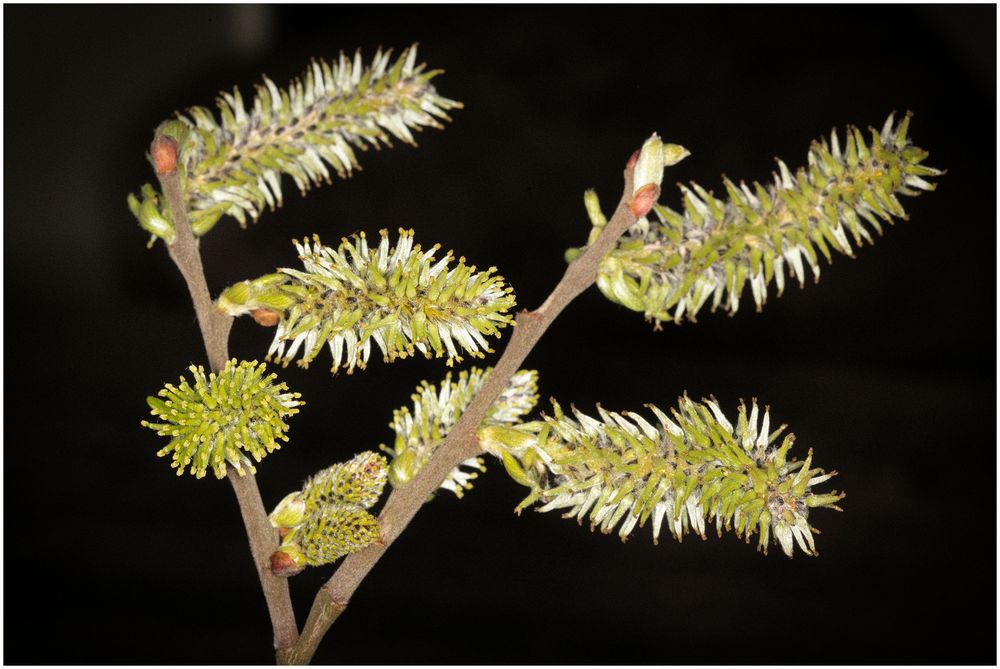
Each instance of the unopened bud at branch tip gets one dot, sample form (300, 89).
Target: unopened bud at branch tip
(164, 150)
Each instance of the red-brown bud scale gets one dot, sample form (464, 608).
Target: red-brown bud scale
(164, 150)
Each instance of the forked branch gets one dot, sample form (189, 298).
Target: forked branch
(461, 442)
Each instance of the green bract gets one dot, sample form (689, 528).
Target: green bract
(402, 298)
(669, 269)
(234, 165)
(222, 418)
(686, 472)
(435, 411)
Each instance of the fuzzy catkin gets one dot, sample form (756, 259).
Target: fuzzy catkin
(436, 409)
(357, 482)
(707, 253)
(328, 518)
(326, 536)
(233, 165)
(223, 417)
(622, 471)
(401, 297)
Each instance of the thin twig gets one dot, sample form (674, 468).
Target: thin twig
(461, 443)
(215, 326)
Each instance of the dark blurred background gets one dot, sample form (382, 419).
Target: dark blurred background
(886, 367)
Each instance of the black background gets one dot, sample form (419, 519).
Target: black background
(886, 367)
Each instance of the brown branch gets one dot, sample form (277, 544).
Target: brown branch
(215, 326)
(461, 443)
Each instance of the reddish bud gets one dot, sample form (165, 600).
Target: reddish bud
(265, 317)
(282, 564)
(644, 199)
(633, 159)
(164, 150)
(283, 532)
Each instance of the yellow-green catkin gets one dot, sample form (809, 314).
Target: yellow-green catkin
(708, 252)
(687, 472)
(399, 298)
(222, 418)
(233, 164)
(357, 482)
(326, 536)
(328, 517)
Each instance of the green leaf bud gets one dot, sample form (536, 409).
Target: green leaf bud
(593, 206)
(673, 154)
(649, 167)
(498, 439)
(150, 218)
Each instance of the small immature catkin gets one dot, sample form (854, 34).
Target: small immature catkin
(328, 517)
(357, 482)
